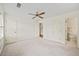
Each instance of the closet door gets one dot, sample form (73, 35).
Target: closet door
(11, 30)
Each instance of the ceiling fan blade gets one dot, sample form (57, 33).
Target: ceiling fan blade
(42, 13)
(31, 14)
(33, 17)
(40, 17)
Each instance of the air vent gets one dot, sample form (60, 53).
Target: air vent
(19, 5)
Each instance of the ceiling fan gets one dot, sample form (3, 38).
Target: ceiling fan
(38, 14)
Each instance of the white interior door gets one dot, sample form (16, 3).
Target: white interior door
(11, 32)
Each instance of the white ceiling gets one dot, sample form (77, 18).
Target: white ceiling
(51, 9)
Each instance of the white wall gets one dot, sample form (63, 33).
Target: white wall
(54, 29)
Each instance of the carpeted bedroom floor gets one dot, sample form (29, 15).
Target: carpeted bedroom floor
(39, 48)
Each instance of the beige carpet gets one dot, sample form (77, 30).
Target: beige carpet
(38, 48)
